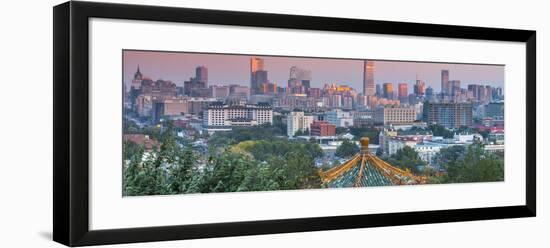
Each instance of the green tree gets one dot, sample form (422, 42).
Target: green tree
(247, 160)
(476, 166)
(347, 149)
(406, 158)
(341, 130)
(484, 133)
(182, 170)
(258, 178)
(360, 132)
(131, 149)
(225, 173)
(166, 170)
(302, 132)
(296, 170)
(263, 149)
(144, 177)
(449, 155)
(439, 130)
(279, 126)
(239, 134)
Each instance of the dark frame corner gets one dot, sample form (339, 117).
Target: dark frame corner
(70, 160)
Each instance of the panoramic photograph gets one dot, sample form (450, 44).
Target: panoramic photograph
(212, 123)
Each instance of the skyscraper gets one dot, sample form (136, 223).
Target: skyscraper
(488, 93)
(429, 92)
(368, 78)
(299, 80)
(378, 90)
(256, 64)
(260, 77)
(388, 90)
(420, 87)
(454, 89)
(403, 92)
(445, 82)
(201, 74)
(198, 85)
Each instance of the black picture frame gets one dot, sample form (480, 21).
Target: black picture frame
(71, 123)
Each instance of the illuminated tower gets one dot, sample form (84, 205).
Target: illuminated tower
(403, 92)
(388, 91)
(420, 87)
(256, 64)
(368, 78)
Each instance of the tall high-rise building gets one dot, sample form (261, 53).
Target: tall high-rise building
(420, 87)
(388, 90)
(481, 93)
(488, 93)
(201, 74)
(314, 92)
(260, 77)
(198, 85)
(268, 88)
(495, 110)
(299, 80)
(298, 76)
(454, 86)
(403, 92)
(497, 93)
(454, 89)
(256, 64)
(368, 78)
(449, 115)
(429, 91)
(378, 90)
(445, 82)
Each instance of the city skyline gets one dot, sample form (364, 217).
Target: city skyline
(224, 69)
(283, 128)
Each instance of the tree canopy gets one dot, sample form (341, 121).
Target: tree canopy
(360, 132)
(406, 158)
(260, 163)
(346, 149)
(439, 130)
(476, 165)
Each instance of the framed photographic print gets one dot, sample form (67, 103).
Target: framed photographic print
(177, 123)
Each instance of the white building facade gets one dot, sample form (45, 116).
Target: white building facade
(298, 121)
(223, 115)
(391, 115)
(340, 118)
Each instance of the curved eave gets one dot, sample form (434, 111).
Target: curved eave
(367, 170)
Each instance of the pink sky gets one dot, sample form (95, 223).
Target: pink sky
(226, 69)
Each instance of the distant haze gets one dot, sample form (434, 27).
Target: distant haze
(229, 69)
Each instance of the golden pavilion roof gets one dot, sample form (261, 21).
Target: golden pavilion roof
(365, 169)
